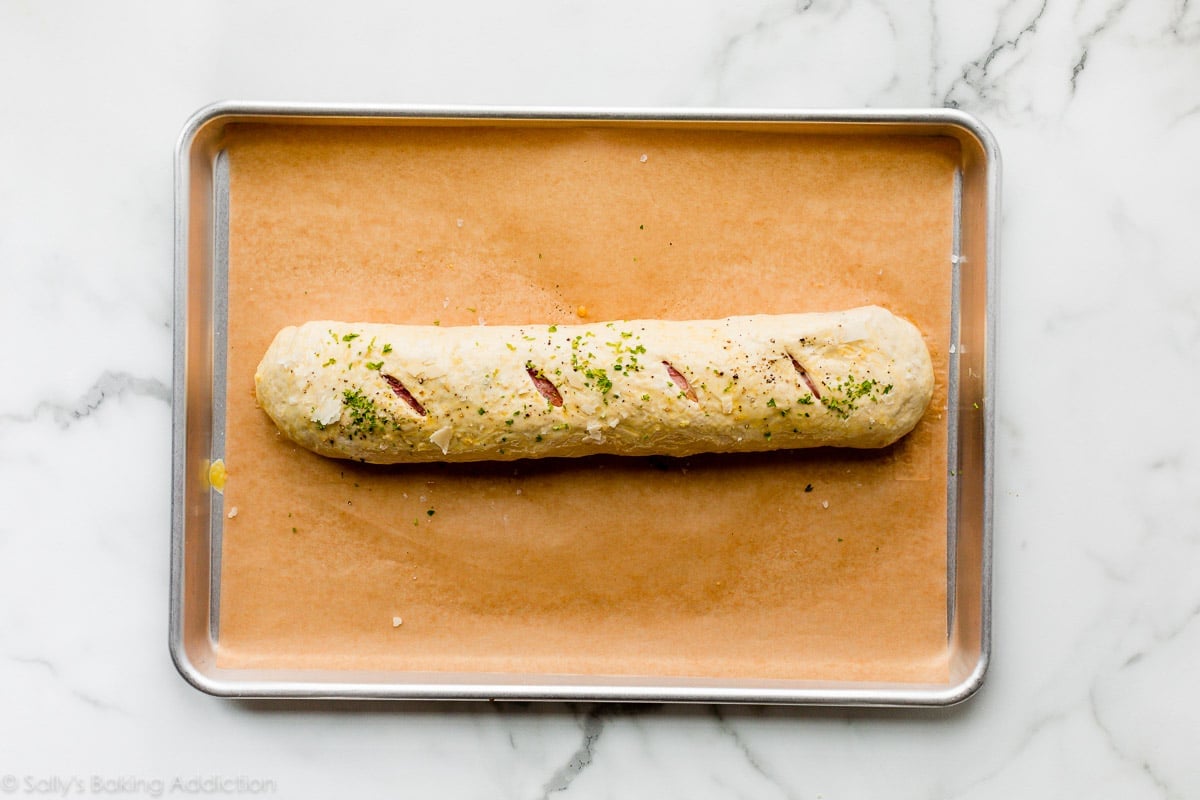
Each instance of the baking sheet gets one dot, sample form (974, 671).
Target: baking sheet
(713, 567)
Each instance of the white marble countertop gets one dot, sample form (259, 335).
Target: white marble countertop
(1096, 106)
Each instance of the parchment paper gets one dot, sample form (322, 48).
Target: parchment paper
(719, 566)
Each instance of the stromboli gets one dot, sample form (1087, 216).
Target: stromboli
(405, 393)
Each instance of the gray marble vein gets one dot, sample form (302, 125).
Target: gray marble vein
(1162, 786)
(768, 19)
(104, 389)
(592, 726)
(980, 79)
(935, 54)
(1088, 39)
(55, 675)
(752, 759)
(1184, 25)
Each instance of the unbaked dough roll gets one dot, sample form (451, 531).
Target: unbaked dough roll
(389, 394)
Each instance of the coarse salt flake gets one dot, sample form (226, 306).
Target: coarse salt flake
(328, 411)
(441, 437)
(232, 512)
(824, 504)
(594, 433)
(397, 622)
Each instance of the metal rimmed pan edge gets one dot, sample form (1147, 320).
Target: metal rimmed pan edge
(197, 347)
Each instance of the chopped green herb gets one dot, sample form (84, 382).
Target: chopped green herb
(431, 512)
(852, 391)
(645, 398)
(836, 406)
(603, 382)
(329, 362)
(364, 417)
(481, 411)
(349, 337)
(553, 329)
(387, 348)
(375, 365)
(771, 403)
